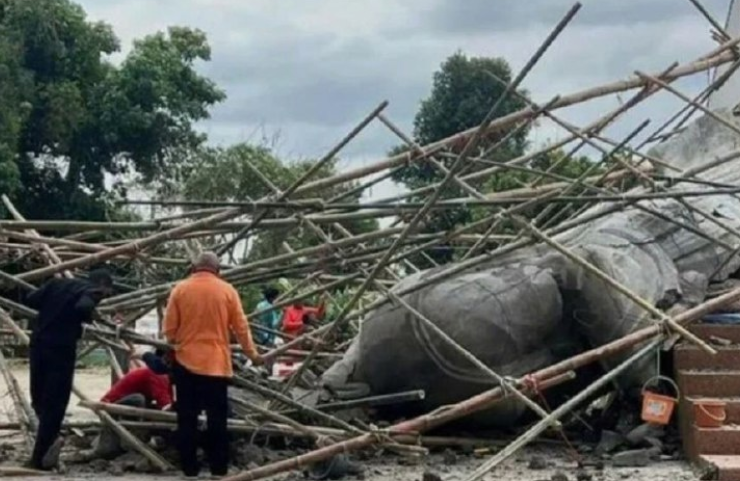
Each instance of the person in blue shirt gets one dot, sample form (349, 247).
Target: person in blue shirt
(270, 320)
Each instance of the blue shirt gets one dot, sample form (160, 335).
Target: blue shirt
(270, 320)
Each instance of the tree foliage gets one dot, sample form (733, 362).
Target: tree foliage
(228, 174)
(70, 119)
(463, 91)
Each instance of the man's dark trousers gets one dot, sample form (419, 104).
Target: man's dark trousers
(52, 370)
(195, 393)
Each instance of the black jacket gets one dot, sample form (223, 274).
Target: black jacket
(63, 305)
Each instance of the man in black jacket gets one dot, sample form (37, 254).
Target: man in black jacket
(63, 306)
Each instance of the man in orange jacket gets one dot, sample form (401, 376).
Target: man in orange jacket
(202, 312)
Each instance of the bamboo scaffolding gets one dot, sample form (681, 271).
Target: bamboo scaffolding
(482, 401)
(579, 398)
(459, 162)
(24, 414)
(307, 175)
(372, 263)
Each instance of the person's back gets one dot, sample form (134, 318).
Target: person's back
(152, 386)
(205, 310)
(61, 314)
(63, 305)
(201, 313)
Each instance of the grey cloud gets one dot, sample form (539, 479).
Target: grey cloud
(313, 82)
(475, 16)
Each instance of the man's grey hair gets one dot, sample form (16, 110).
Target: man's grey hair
(207, 260)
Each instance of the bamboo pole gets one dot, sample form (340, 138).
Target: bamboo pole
(715, 24)
(131, 247)
(24, 414)
(485, 399)
(453, 169)
(307, 175)
(617, 286)
(718, 57)
(564, 409)
(689, 101)
(157, 461)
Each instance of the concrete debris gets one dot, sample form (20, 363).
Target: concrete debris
(559, 476)
(643, 432)
(636, 458)
(719, 341)
(582, 475)
(538, 463)
(450, 457)
(431, 476)
(609, 442)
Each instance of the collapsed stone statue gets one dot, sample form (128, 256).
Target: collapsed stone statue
(534, 307)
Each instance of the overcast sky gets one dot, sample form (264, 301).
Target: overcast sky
(309, 70)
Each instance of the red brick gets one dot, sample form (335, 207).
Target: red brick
(711, 384)
(728, 465)
(705, 331)
(693, 357)
(724, 440)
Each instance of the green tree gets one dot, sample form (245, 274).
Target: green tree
(228, 174)
(69, 118)
(463, 91)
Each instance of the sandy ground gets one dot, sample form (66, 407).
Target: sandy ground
(92, 382)
(451, 467)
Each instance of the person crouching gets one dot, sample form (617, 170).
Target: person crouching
(145, 387)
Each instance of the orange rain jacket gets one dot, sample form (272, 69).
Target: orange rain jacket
(201, 313)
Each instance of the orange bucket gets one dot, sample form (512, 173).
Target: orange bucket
(709, 413)
(658, 408)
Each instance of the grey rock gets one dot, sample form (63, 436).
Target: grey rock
(582, 475)
(431, 476)
(538, 463)
(98, 465)
(253, 454)
(143, 466)
(559, 476)
(115, 469)
(654, 443)
(639, 435)
(636, 458)
(610, 441)
(449, 457)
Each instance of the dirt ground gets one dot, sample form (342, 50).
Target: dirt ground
(447, 466)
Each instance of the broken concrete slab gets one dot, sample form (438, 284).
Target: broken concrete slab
(610, 441)
(639, 435)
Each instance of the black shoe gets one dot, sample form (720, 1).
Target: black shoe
(51, 458)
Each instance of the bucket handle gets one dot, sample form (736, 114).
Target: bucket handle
(719, 419)
(662, 378)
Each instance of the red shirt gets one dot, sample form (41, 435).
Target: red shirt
(293, 317)
(142, 381)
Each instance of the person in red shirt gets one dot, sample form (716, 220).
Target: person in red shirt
(297, 317)
(147, 386)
